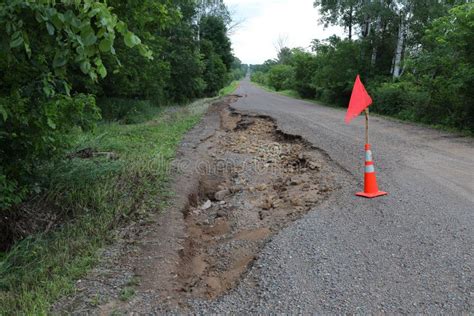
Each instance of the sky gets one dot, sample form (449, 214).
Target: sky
(264, 21)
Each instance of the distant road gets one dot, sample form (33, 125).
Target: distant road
(408, 252)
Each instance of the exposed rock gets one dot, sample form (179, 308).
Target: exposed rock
(206, 205)
(221, 195)
(314, 166)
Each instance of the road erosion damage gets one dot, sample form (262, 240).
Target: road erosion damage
(265, 222)
(239, 181)
(258, 181)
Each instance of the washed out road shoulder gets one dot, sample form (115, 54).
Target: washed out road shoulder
(118, 174)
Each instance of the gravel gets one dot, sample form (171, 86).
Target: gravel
(408, 252)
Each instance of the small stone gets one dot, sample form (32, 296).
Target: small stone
(294, 181)
(221, 195)
(296, 202)
(261, 187)
(314, 166)
(206, 205)
(267, 204)
(236, 188)
(220, 213)
(277, 203)
(263, 214)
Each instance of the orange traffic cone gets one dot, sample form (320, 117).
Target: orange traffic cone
(371, 189)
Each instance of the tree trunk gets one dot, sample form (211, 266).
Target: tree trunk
(378, 27)
(350, 22)
(399, 50)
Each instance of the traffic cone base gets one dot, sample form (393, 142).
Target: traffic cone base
(371, 195)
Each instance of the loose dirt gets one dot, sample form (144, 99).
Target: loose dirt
(238, 181)
(257, 181)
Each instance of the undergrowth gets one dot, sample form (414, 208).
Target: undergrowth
(95, 194)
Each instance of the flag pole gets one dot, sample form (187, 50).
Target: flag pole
(367, 125)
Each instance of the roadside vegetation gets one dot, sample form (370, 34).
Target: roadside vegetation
(95, 97)
(415, 57)
(113, 174)
(229, 89)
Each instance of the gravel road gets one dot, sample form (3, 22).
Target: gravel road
(408, 252)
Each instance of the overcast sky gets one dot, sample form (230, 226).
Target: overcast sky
(265, 20)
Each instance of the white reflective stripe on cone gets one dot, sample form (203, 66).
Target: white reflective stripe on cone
(368, 155)
(369, 169)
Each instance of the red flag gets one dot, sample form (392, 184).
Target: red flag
(360, 100)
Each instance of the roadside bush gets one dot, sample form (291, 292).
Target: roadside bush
(336, 69)
(281, 77)
(45, 45)
(259, 77)
(34, 129)
(305, 65)
(445, 68)
(127, 111)
(400, 99)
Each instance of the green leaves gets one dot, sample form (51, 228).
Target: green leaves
(60, 59)
(88, 36)
(131, 40)
(85, 66)
(106, 44)
(16, 39)
(100, 67)
(51, 123)
(3, 112)
(50, 28)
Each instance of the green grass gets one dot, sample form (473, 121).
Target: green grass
(96, 195)
(126, 294)
(290, 93)
(229, 89)
(128, 111)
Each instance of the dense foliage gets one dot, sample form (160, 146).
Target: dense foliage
(416, 58)
(60, 60)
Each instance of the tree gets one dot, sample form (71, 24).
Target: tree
(181, 50)
(445, 68)
(47, 44)
(341, 12)
(213, 29)
(137, 76)
(305, 66)
(281, 77)
(215, 70)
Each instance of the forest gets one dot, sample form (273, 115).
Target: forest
(69, 64)
(416, 59)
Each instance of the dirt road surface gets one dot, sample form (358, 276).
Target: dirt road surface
(408, 252)
(270, 224)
